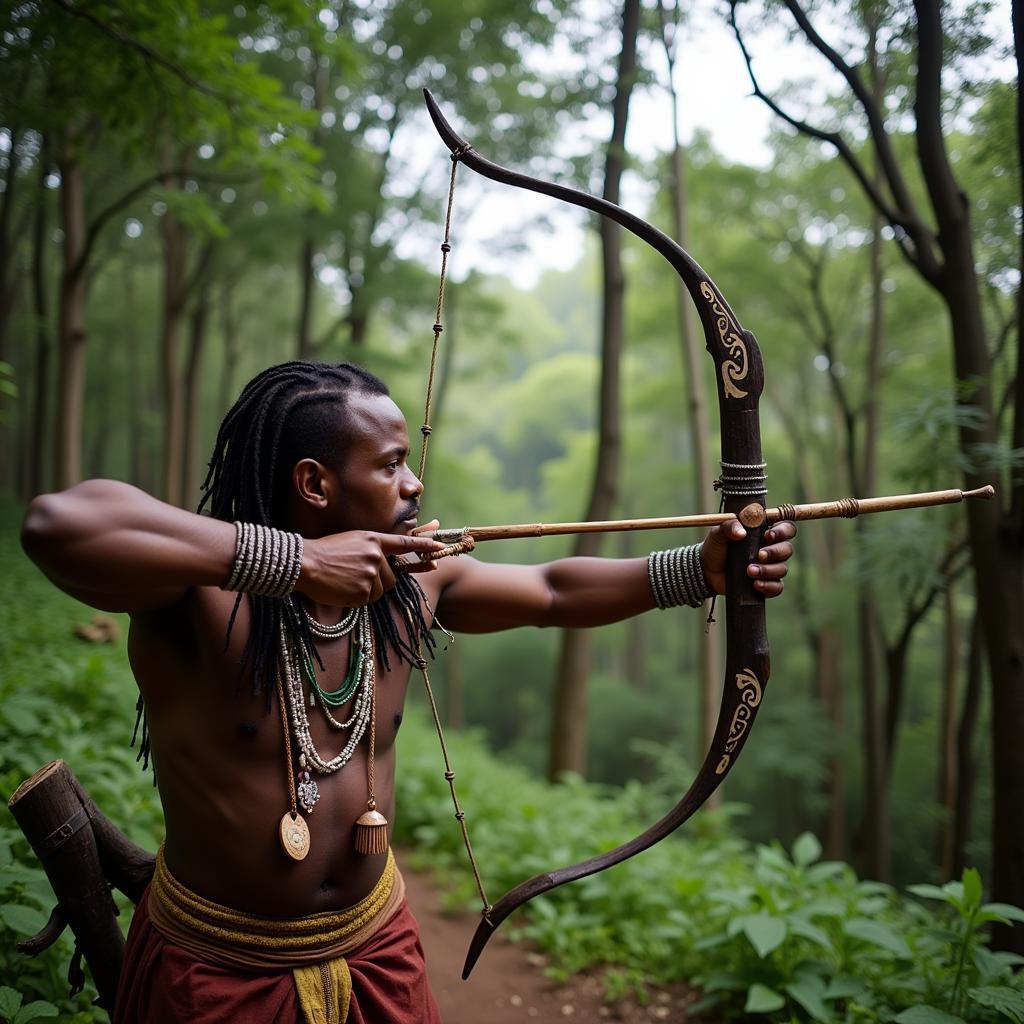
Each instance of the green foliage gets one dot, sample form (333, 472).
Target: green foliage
(762, 931)
(59, 697)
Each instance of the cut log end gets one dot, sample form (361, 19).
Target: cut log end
(41, 775)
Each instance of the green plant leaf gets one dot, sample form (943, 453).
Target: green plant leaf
(843, 986)
(1007, 1001)
(810, 931)
(766, 933)
(928, 892)
(806, 849)
(923, 1014)
(761, 999)
(972, 887)
(809, 993)
(35, 1011)
(10, 1000)
(1007, 910)
(877, 934)
(26, 920)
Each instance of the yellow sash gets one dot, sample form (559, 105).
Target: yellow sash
(313, 947)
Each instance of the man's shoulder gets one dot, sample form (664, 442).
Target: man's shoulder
(197, 619)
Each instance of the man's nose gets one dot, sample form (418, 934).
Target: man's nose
(411, 485)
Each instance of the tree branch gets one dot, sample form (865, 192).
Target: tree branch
(876, 122)
(98, 222)
(905, 223)
(147, 51)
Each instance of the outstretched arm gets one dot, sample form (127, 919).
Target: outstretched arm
(116, 548)
(480, 597)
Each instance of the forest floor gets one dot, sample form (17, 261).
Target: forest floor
(508, 985)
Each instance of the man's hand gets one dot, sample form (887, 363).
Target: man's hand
(351, 569)
(767, 571)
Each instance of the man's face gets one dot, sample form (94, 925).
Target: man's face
(378, 489)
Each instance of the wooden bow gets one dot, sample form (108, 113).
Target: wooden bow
(740, 378)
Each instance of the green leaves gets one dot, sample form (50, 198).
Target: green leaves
(766, 933)
(927, 1015)
(12, 1011)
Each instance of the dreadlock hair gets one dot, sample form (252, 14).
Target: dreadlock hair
(289, 412)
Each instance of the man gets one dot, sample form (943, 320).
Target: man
(275, 894)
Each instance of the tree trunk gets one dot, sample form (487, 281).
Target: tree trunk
(875, 812)
(138, 462)
(307, 276)
(947, 780)
(966, 760)
(874, 823)
(996, 539)
(691, 345)
(71, 328)
(175, 255)
(193, 457)
(569, 725)
(229, 329)
(37, 453)
(7, 242)
(307, 287)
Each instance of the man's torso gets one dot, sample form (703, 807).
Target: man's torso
(222, 770)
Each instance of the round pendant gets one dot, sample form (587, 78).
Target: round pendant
(294, 835)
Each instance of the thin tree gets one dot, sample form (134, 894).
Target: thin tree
(569, 721)
(943, 256)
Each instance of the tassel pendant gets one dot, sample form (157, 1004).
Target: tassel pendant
(371, 831)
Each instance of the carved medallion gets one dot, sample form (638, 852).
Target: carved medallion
(294, 836)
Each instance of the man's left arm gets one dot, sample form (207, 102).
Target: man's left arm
(482, 597)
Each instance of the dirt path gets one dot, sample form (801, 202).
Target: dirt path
(508, 984)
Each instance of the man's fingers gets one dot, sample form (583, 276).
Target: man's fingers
(400, 543)
(774, 571)
(734, 530)
(784, 530)
(419, 566)
(386, 576)
(776, 552)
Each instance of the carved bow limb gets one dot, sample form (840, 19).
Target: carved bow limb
(740, 378)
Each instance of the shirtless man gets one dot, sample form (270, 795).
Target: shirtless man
(319, 451)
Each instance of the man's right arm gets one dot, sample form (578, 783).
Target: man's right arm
(114, 547)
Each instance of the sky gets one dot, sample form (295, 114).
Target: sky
(715, 96)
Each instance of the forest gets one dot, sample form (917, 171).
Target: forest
(191, 191)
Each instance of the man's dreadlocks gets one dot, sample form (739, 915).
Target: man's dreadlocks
(289, 412)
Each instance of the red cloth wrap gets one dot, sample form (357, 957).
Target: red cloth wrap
(164, 984)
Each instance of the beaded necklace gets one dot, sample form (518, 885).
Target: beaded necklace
(371, 827)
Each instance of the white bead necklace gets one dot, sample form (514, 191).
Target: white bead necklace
(310, 757)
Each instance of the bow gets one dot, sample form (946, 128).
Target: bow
(740, 379)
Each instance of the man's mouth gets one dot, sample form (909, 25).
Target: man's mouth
(409, 517)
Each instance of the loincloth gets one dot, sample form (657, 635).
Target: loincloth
(189, 958)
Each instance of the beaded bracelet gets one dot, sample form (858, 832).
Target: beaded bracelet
(267, 561)
(677, 577)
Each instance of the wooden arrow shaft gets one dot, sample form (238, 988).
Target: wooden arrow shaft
(753, 515)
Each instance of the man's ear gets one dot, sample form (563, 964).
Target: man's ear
(311, 482)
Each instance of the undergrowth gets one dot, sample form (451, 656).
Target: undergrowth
(764, 933)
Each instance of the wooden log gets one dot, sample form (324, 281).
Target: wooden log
(83, 855)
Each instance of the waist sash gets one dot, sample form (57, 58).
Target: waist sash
(312, 947)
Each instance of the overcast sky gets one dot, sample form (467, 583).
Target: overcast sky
(714, 95)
